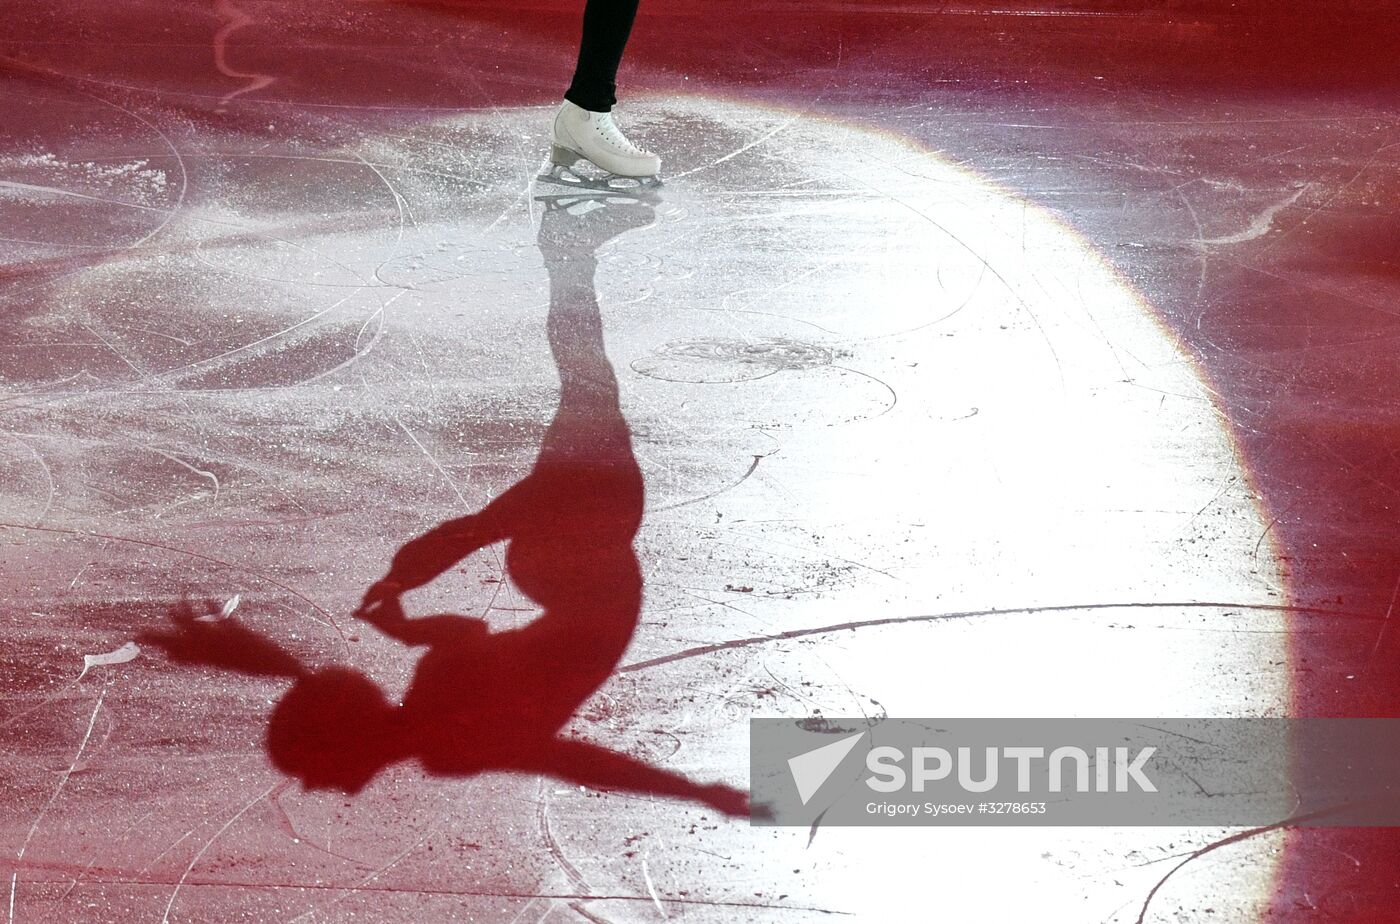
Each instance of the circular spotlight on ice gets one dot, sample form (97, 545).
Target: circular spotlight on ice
(901, 417)
(914, 393)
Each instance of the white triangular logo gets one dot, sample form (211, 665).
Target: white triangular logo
(812, 769)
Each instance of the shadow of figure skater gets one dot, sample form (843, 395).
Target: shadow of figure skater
(482, 700)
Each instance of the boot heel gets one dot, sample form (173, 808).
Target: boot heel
(563, 157)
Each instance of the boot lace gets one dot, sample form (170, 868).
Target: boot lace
(613, 136)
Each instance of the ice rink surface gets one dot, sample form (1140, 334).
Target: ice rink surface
(1023, 362)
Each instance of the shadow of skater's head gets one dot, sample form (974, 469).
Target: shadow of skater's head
(333, 730)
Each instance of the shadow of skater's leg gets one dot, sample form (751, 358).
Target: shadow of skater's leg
(599, 768)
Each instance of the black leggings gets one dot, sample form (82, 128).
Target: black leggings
(606, 26)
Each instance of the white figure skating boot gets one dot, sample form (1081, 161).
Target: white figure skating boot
(594, 137)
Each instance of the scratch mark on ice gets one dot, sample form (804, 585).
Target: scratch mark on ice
(123, 655)
(19, 858)
(234, 20)
(198, 471)
(328, 620)
(651, 890)
(1262, 223)
(165, 919)
(48, 474)
(56, 191)
(225, 611)
(751, 641)
(738, 151)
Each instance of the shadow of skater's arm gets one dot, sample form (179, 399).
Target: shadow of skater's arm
(388, 617)
(599, 768)
(222, 643)
(422, 559)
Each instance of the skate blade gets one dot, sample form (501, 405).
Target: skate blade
(562, 170)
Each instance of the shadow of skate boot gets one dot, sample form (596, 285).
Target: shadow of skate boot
(576, 225)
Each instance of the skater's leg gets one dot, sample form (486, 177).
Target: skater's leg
(584, 128)
(606, 26)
